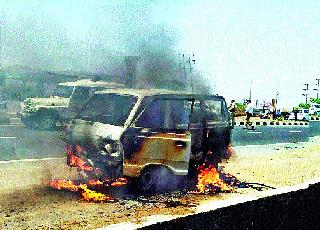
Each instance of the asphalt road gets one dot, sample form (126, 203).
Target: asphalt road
(260, 135)
(18, 142)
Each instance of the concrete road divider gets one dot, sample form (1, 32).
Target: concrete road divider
(297, 208)
(273, 123)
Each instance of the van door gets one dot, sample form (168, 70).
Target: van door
(210, 129)
(160, 135)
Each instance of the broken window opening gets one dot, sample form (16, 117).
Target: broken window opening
(166, 114)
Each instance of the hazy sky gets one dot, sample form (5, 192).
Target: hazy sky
(276, 44)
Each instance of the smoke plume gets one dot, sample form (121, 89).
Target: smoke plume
(96, 42)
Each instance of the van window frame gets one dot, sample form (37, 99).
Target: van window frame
(149, 104)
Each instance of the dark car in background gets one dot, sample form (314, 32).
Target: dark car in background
(48, 113)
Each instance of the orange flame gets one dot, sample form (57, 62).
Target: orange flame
(87, 194)
(209, 181)
(75, 161)
(94, 182)
(119, 182)
(90, 195)
(64, 184)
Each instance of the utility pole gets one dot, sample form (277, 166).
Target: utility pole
(183, 68)
(1, 37)
(190, 61)
(250, 90)
(277, 97)
(306, 95)
(317, 89)
(306, 91)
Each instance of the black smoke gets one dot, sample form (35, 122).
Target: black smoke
(99, 45)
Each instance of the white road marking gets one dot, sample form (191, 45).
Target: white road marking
(31, 160)
(294, 131)
(8, 137)
(254, 132)
(12, 125)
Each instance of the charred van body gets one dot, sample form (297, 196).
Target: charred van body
(150, 134)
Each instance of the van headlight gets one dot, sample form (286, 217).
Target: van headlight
(110, 147)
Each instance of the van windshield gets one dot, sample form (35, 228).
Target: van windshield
(111, 109)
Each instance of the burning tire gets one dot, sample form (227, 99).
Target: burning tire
(157, 179)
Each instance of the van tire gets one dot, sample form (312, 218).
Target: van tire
(156, 180)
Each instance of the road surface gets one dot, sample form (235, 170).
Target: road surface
(41, 207)
(18, 142)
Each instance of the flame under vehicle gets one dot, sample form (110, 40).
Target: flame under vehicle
(47, 113)
(153, 135)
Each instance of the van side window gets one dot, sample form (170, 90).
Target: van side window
(213, 109)
(207, 110)
(165, 114)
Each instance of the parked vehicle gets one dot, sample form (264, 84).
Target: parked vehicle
(47, 113)
(285, 115)
(300, 114)
(257, 112)
(153, 135)
(314, 109)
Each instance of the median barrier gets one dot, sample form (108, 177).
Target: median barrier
(290, 208)
(272, 123)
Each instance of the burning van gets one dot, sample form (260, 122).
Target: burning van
(153, 135)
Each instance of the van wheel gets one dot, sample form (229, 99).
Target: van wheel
(155, 180)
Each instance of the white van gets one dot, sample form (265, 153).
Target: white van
(314, 109)
(302, 115)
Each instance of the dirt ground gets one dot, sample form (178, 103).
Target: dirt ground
(44, 208)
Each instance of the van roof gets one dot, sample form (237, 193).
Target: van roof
(155, 92)
(91, 83)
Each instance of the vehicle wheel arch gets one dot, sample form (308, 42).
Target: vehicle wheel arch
(152, 182)
(154, 166)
